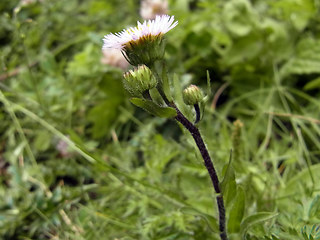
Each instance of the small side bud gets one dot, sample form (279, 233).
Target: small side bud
(139, 80)
(192, 95)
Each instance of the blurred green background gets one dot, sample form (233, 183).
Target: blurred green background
(78, 161)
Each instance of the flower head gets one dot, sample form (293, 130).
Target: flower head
(63, 148)
(114, 57)
(151, 8)
(144, 43)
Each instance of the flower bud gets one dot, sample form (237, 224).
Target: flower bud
(192, 95)
(139, 80)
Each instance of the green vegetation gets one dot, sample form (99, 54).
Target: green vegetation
(79, 161)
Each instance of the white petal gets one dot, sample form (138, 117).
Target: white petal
(160, 25)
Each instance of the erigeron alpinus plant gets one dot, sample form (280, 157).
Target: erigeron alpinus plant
(144, 46)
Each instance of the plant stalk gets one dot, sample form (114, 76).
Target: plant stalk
(203, 150)
(197, 110)
(209, 165)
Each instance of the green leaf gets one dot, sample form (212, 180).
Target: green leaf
(314, 210)
(105, 113)
(306, 59)
(239, 17)
(237, 212)
(156, 97)
(177, 92)
(209, 91)
(312, 84)
(300, 179)
(228, 184)
(165, 83)
(154, 109)
(103, 116)
(255, 219)
(211, 221)
(84, 64)
(177, 89)
(303, 11)
(244, 49)
(42, 141)
(48, 63)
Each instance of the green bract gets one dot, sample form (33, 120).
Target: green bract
(146, 50)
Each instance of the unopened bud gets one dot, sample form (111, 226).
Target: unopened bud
(139, 80)
(192, 95)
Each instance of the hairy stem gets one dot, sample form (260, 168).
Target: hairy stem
(209, 165)
(203, 150)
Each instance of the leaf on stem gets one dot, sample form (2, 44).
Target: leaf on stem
(255, 219)
(165, 83)
(153, 108)
(237, 212)
(228, 184)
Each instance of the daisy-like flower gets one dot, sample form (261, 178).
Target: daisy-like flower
(143, 44)
(151, 8)
(114, 57)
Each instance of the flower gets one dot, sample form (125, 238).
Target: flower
(151, 8)
(114, 57)
(63, 148)
(28, 2)
(192, 95)
(144, 43)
